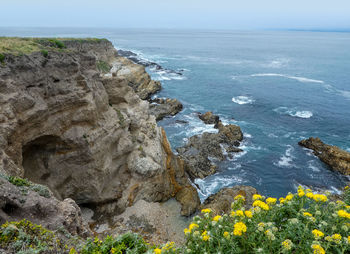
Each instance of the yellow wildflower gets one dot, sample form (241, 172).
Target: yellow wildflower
(346, 187)
(282, 200)
(205, 238)
(257, 196)
(344, 214)
(320, 197)
(271, 201)
(306, 214)
(207, 210)
(239, 228)
(227, 235)
(309, 195)
(289, 197)
(287, 244)
(239, 213)
(261, 204)
(336, 238)
(301, 193)
(233, 213)
(318, 249)
(157, 251)
(317, 233)
(187, 231)
(248, 214)
(217, 218)
(192, 226)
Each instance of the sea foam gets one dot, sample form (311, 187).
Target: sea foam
(243, 100)
(294, 112)
(300, 79)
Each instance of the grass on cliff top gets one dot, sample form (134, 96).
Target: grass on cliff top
(21, 46)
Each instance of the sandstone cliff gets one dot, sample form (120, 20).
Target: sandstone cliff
(70, 119)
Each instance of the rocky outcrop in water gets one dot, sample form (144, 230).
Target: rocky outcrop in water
(161, 108)
(337, 159)
(84, 132)
(209, 118)
(201, 151)
(220, 202)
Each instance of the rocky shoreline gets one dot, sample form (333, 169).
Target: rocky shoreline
(77, 119)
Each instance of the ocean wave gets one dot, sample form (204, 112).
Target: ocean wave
(310, 165)
(277, 63)
(212, 184)
(243, 100)
(300, 79)
(294, 112)
(197, 126)
(286, 159)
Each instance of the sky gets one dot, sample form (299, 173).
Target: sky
(203, 14)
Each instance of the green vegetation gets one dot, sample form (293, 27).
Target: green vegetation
(20, 46)
(304, 222)
(127, 243)
(26, 185)
(45, 53)
(121, 117)
(2, 58)
(103, 67)
(24, 237)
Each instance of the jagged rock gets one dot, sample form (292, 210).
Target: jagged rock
(201, 150)
(337, 159)
(161, 108)
(17, 203)
(135, 76)
(209, 118)
(220, 202)
(86, 134)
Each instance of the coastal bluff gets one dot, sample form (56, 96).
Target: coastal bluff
(72, 118)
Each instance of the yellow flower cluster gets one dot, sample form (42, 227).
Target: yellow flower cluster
(227, 235)
(344, 214)
(320, 198)
(289, 197)
(271, 201)
(257, 197)
(261, 204)
(301, 192)
(217, 218)
(205, 236)
(239, 228)
(157, 251)
(287, 244)
(333, 238)
(207, 210)
(318, 249)
(317, 233)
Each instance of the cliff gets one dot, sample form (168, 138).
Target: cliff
(71, 118)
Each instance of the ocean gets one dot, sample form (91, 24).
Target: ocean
(278, 86)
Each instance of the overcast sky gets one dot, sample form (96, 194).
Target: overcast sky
(206, 14)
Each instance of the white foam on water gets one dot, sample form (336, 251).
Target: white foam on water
(247, 135)
(243, 100)
(210, 186)
(197, 126)
(277, 63)
(312, 166)
(294, 112)
(348, 149)
(286, 159)
(300, 79)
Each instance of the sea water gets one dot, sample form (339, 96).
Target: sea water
(278, 86)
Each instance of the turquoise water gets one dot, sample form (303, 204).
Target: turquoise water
(280, 87)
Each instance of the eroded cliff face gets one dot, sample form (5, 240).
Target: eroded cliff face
(84, 134)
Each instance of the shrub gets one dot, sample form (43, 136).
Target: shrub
(58, 44)
(2, 58)
(26, 237)
(300, 223)
(18, 181)
(103, 67)
(45, 53)
(127, 243)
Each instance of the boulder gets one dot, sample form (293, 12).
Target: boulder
(161, 108)
(37, 204)
(337, 159)
(220, 202)
(209, 118)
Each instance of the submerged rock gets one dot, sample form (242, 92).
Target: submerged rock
(161, 108)
(337, 159)
(220, 202)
